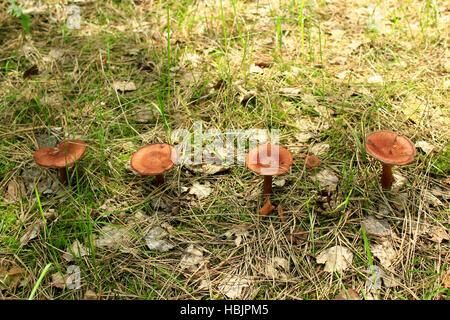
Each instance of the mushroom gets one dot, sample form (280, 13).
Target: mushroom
(268, 160)
(312, 161)
(62, 157)
(390, 149)
(154, 160)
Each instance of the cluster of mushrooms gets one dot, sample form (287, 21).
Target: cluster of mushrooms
(267, 160)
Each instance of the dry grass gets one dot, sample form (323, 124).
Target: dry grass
(319, 71)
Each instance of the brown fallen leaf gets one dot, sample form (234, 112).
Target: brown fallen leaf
(348, 294)
(90, 295)
(59, 281)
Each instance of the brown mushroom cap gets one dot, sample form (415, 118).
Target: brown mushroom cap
(312, 161)
(64, 155)
(269, 160)
(154, 159)
(390, 148)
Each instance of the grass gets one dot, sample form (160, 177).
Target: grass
(195, 62)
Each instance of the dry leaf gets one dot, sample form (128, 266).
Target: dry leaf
(77, 251)
(327, 180)
(155, 239)
(234, 286)
(90, 295)
(58, 281)
(32, 233)
(374, 281)
(13, 278)
(438, 234)
(256, 69)
(375, 227)
(338, 60)
(385, 253)
(348, 294)
(207, 168)
(399, 182)
(14, 191)
(50, 215)
(303, 137)
(192, 259)
(337, 258)
(291, 91)
(200, 190)
(431, 199)
(276, 268)
(320, 148)
(124, 86)
(113, 237)
(342, 74)
(426, 147)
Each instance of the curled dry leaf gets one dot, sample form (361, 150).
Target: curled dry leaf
(32, 232)
(77, 251)
(59, 281)
(327, 180)
(398, 183)
(431, 199)
(50, 215)
(234, 286)
(337, 258)
(192, 259)
(375, 227)
(14, 191)
(438, 234)
(200, 190)
(276, 268)
(124, 86)
(156, 239)
(348, 294)
(12, 278)
(90, 295)
(426, 147)
(385, 253)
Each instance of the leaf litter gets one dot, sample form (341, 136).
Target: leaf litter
(337, 258)
(156, 239)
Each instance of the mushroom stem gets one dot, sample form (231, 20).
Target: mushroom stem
(63, 175)
(387, 178)
(159, 180)
(267, 185)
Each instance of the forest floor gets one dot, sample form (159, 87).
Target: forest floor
(324, 74)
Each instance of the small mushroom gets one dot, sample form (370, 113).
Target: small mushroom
(390, 149)
(154, 160)
(62, 157)
(312, 162)
(269, 160)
